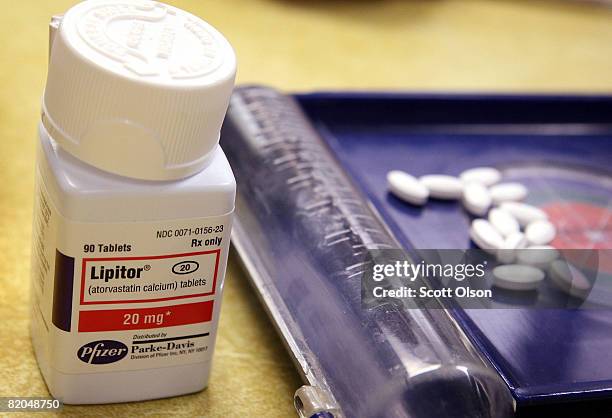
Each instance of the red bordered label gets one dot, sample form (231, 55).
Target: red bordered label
(112, 280)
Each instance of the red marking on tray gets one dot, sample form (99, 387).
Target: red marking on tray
(582, 226)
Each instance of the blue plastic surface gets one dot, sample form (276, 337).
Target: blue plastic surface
(560, 147)
(302, 230)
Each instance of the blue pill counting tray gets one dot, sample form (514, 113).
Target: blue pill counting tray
(311, 171)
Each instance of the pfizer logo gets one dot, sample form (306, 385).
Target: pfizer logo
(102, 352)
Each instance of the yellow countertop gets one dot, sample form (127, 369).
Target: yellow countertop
(294, 45)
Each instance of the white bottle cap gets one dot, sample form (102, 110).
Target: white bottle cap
(138, 88)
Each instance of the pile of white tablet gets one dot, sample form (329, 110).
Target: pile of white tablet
(518, 234)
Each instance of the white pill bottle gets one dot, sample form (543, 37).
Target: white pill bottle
(134, 201)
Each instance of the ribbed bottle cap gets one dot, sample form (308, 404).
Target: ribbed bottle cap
(138, 88)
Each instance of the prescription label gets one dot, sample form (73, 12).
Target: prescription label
(126, 296)
(112, 280)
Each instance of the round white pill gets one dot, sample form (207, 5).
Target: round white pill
(517, 277)
(476, 199)
(523, 212)
(507, 192)
(485, 236)
(487, 176)
(540, 232)
(514, 241)
(441, 186)
(569, 279)
(407, 187)
(539, 256)
(504, 222)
